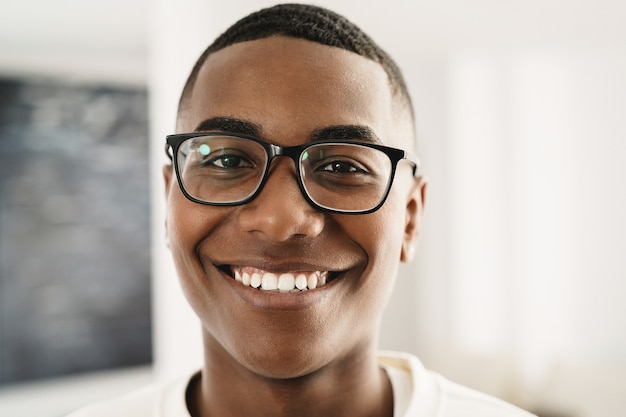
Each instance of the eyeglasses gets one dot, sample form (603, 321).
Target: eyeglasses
(339, 176)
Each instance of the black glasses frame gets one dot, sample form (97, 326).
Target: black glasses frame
(395, 155)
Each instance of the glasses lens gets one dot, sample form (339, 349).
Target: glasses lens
(221, 169)
(346, 177)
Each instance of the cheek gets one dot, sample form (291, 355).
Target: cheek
(381, 232)
(188, 225)
(380, 235)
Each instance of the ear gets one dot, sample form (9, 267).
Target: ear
(414, 212)
(168, 176)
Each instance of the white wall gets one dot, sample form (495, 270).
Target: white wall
(81, 40)
(537, 225)
(518, 285)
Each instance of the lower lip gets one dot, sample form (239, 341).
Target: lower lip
(271, 300)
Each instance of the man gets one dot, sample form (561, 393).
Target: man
(292, 197)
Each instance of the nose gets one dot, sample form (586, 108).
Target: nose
(280, 211)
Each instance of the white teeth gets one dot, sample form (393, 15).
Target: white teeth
(245, 279)
(269, 282)
(255, 280)
(285, 283)
(301, 282)
(312, 281)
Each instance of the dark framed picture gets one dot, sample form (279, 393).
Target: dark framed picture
(74, 229)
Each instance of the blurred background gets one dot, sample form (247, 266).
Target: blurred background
(519, 284)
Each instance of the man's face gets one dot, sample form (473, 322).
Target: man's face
(283, 90)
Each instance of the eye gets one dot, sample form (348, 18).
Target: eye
(229, 161)
(226, 159)
(339, 160)
(341, 167)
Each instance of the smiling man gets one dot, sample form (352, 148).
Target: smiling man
(292, 196)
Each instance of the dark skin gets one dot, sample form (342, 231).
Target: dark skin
(312, 353)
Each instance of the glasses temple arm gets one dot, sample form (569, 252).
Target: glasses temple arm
(415, 161)
(167, 152)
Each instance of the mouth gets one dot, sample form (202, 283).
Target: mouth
(281, 282)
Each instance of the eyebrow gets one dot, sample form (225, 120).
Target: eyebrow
(230, 125)
(244, 127)
(344, 132)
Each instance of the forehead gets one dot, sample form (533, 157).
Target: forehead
(290, 87)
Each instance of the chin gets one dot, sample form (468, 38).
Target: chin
(277, 355)
(283, 369)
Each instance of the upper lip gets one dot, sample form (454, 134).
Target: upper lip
(284, 258)
(281, 267)
(271, 264)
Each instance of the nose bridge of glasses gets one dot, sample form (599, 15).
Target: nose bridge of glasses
(282, 177)
(292, 152)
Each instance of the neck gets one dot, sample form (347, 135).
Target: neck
(354, 387)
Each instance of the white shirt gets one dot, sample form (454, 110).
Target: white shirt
(416, 393)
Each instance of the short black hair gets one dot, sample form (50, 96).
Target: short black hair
(307, 22)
